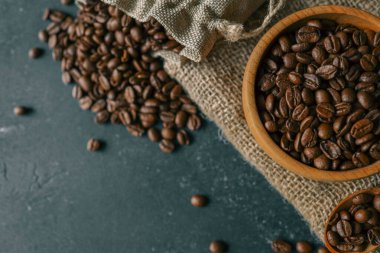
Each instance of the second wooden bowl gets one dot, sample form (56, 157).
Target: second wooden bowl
(339, 14)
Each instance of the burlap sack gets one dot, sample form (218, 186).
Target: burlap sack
(198, 25)
(215, 84)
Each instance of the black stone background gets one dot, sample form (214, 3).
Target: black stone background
(57, 197)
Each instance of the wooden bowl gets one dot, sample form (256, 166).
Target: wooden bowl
(339, 14)
(344, 204)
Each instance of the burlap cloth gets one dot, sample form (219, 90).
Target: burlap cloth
(215, 85)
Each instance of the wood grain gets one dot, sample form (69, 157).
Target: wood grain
(340, 14)
(344, 205)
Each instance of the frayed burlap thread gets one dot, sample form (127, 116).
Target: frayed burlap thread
(215, 85)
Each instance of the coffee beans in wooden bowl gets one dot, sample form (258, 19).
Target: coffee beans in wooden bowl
(318, 91)
(354, 225)
(108, 56)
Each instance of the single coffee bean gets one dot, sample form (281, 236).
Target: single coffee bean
(194, 122)
(360, 159)
(365, 99)
(361, 128)
(183, 138)
(344, 228)
(362, 216)
(322, 162)
(374, 236)
(167, 146)
(345, 215)
(93, 145)
(325, 111)
(67, 2)
(348, 95)
(333, 238)
(280, 246)
(303, 247)
(332, 44)
(20, 110)
(309, 34)
(376, 202)
(198, 200)
(168, 133)
(345, 246)
(374, 151)
(284, 43)
(217, 247)
(330, 149)
(43, 35)
(362, 198)
(322, 250)
(154, 135)
(35, 52)
(368, 62)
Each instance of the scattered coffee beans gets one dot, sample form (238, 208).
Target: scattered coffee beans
(198, 200)
(319, 95)
(35, 52)
(93, 145)
(108, 56)
(218, 247)
(281, 246)
(357, 226)
(20, 110)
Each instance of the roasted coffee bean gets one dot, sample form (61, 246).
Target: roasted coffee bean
(303, 247)
(345, 246)
(20, 110)
(368, 62)
(35, 52)
(365, 99)
(361, 128)
(322, 162)
(322, 96)
(154, 135)
(312, 81)
(194, 122)
(284, 43)
(374, 236)
(198, 200)
(344, 228)
(167, 146)
(183, 138)
(93, 145)
(362, 216)
(217, 247)
(280, 246)
(374, 151)
(360, 159)
(348, 95)
(362, 198)
(322, 250)
(319, 54)
(330, 149)
(67, 2)
(333, 238)
(309, 34)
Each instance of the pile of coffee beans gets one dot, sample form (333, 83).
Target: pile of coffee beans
(108, 55)
(281, 246)
(357, 226)
(319, 94)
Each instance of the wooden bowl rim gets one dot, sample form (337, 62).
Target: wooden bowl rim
(249, 100)
(337, 208)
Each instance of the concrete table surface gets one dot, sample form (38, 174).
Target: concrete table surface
(57, 197)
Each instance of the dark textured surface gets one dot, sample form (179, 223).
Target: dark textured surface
(57, 197)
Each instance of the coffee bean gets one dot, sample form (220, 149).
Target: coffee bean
(154, 135)
(167, 146)
(374, 236)
(303, 247)
(319, 54)
(360, 159)
(362, 198)
(309, 34)
(362, 216)
(330, 149)
(344, 228)
(368, 62)
(217, 247)
(322, 162)
(361, 128)
(280, 246)
(374, 151)
(348, 95)
(345, 246)
(183, 138)
(194, 122)
(333, 238)
(67, 2)
(322, 250)
(20, 110)
(284, 43)
(365, 99)
(35, 52)
(198, 200)
(93, 145)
